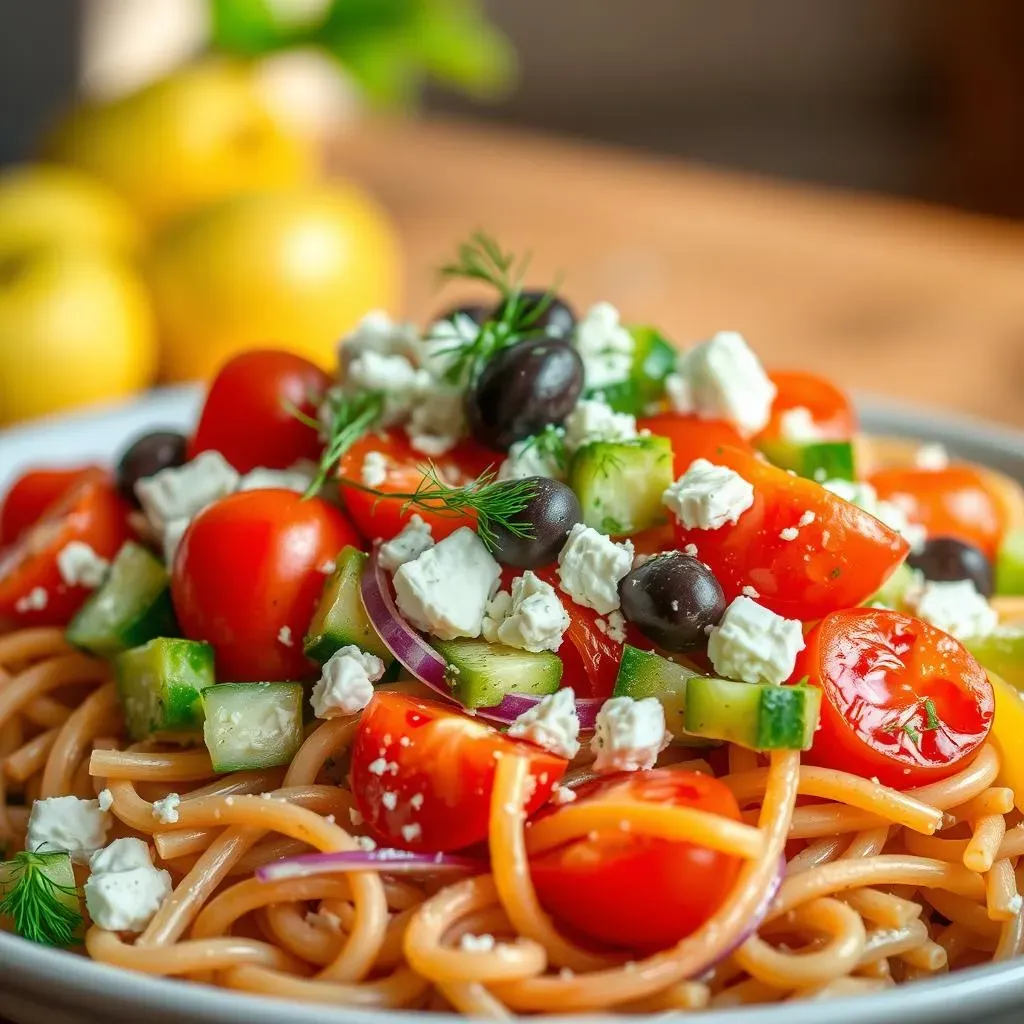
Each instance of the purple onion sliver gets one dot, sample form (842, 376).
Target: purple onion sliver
(759, 912)
(390, 860)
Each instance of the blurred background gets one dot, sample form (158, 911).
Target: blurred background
(844, 182)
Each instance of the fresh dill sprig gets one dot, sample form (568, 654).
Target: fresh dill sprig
(42, 909)
(548, 444)
(932, 720)
(497, 503)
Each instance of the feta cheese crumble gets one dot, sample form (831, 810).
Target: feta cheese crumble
(955, 607)
(931, 456)
(34, 601)
(124, 889)
(80, 566)
(590, 566)
(446, 589)
(797, 426)
(531, 617)
(542, 455)
(346, 682)
(262, 479)
(374, 470)
(67, 824)
(629, 735)
(378, 333)
(166, 810)
(179, 492)
(470, 943)
(593, 420)
(722, 379)
(614, 627)
(105, 799)
(706, 496)
(753, 644)
(437, 419)
(439, 350)
(552, 723)
(407, 545)
(605, 347)
(284, 636)
(392, 375)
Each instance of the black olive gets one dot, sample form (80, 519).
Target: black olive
(552, 511)
(477, 313)
(557, 318)
(671, 598)
(523, 389)
(148, 455)
(949, 559)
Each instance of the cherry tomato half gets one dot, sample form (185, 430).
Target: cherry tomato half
(247, 577)
(32, 590)
(693, 438)
(958, 501)
(635, 891)
(902, 701)
(31, 495)
(830, 408)
(246, 418)
(439, 765)
(837, 560)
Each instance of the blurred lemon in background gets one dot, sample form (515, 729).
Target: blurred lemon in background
(202, 133)
(293, 269)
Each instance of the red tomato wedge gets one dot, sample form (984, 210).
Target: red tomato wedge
(837, 560)
(830, 408)
(382, 517)
(693, 438)
(634, 891)
(903, 701)
(32, 591)
(248, 575)
(422, 774)
(954, 502)
(31, 495)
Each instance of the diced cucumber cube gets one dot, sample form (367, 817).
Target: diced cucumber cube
(815, 460)
(56, 866)
(654, 358)
(161, 683)
(252, 725)
(481, 674)
(1010, 565)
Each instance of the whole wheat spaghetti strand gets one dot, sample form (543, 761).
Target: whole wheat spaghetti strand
(842, 988)
(891, 942)
(89, 719)
(994, 800)
(821, 851)
(1001, 895)
(882, 908)
(868, 844)
(32, 644)
(1011, 933)
(47, 676)
(12, 735)
(968, 913)
(928, 956)
(686, 995)
(140, 766)
(983, 846)
(474, 1000)
(30, 757)
(748, 992)
(46, 712)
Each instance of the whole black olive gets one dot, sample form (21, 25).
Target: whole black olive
(671, 598)
(945, 558)
(146, 456)
(551, 512)
(477, 313)
(523, 389)
(556, 317)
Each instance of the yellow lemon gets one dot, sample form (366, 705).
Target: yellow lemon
(185, 140)
(293, 270)
(75, 327)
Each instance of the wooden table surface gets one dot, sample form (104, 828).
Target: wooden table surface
(886, 296)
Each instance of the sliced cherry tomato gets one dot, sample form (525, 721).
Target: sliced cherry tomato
(693, 438)
(838, 559)
(246, 415)
(384, 517)
(32, 590)
(248, 575)
(438, 767)
(958, 501)
(634, 891)
(902, 701)
(31, 495)
(830, 408)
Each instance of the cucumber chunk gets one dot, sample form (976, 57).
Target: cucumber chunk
(56, 866)
(132, 606)
(815, 460)
(252, 725)
(654, 358)
(160, 685)
(1001, 652)
(481, 674)
(340, 618)
(620, 484)
(755, 715)
(1010, 564)
(893, 592)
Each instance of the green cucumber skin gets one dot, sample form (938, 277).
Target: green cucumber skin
(274, 747)
(1002, 653)
(1010, 565)
(653, 360)
(340, 618)
(482, 674)
(58, 868)
(647, 674)
(815, 460)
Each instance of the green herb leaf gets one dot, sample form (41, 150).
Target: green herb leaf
(912, 732)
(932, 720)
(42, 909)
(548, 444)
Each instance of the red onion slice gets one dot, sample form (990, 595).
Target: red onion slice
(758, 915)
(422, 661)
(393, 861)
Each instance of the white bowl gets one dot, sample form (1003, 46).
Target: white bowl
(45, 986)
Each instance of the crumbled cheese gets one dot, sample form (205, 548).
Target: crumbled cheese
(437, 420)
(590, 566)
(263, 479)
(605, 347)
(629, 734)
(789, 533)
(416, 801)
(65, 823)
(179, 492)
(749, 591)
(166, 809)
(806, 519)
(410, 833)
(378, 766)
(865, 497)
(392, 375)
(346, 682)
(691, 550)
(797, 426)
(327, 566)
(446, 589)
(378, 333)
(496, 611)
(34, 601)
(931, 456)
(124, 889)
(552, 723)
(173, 532)
(105, 799)
(366, 843)
(374, 471)
(406, 546)
(284, 636)
(955, 607)
(80, 566)
(531, 617)
(563, 795)
(614, 627)
(706, 496)
(470, 943)
(722, 379)
(530, 457)
(389, 800)
(439, 350)
(593, 420)
(324, 920)
(753, 644)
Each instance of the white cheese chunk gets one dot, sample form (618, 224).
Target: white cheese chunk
(542, 455)
(414, 538)
(614, 627)
(346, 682)
(605, 347)
(374, 470)
(496, 611)
(34, 601)
(437, 419)
(392, 375)
(181, 491)
(470, 943)
(439, 350)
(124, 890)
(590, 566)
(722, 379)
(754, 645)
(378, 333)
(593, 420)
(629, 735)
(173, 532)
(931, 456)
(65, 823)
(165, 810)
(80, 566)
(797, 426)
(531, 617)
(706, 496)
(552, 723)
(955, 607)
(446, 589)
(262, 479)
